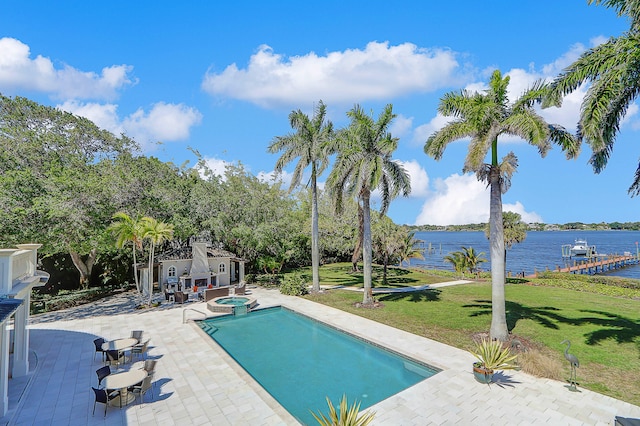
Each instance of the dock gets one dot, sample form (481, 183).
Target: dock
(598, 265)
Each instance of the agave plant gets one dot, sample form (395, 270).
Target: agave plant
(493, 356)
(348, 416)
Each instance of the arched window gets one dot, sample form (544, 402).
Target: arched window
(171, 272)
(222, 269)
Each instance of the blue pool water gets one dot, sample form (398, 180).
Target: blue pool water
(235, 301)
(300, 361)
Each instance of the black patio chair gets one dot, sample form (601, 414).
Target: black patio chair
(102, 372)
(103, 397)
(98, 343)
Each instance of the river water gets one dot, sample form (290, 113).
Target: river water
(541, 249)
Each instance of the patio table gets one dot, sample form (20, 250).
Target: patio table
(122, 381)
(119, 344)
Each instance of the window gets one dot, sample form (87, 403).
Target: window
(172, 271)
(222, 268)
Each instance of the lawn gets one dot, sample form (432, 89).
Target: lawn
(604, 330)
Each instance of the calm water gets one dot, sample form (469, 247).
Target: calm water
(541, 249)
(300, 361)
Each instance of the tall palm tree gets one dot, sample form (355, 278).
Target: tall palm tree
(515, 231)
(127, 229)
(363, 165)
(309, 144)
(156, 232)
(483, 117)
(612, 70)
(409, 250)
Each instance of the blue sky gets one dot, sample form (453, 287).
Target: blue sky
(222, 78)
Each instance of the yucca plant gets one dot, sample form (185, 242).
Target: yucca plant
(349, 416)
(493, 356)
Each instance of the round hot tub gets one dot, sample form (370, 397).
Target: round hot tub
(227, 304)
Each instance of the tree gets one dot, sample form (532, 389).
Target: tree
(309, 144)
(457, 260)
(409, 250)
(387, 243)
(515, 231)
(364, 164)
(127, 229)
(156, 232)
(55, 170)
(472, 259)
(484, 117)
(611, 68)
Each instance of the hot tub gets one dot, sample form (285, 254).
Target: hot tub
(227, 304)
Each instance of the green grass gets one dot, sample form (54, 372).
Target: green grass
(604, 330)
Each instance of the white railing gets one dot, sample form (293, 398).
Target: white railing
(23, 265)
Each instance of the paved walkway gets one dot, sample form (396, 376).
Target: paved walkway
(197, 383)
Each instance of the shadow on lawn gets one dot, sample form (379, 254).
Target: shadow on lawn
(413, 296)
(546, 316)
(617, 327)
(396, 277)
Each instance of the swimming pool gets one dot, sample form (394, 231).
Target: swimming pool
(300, 361)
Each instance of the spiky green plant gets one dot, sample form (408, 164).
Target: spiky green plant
(493, 356)
(349, 415)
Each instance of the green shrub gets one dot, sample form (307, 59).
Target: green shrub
(294, 285)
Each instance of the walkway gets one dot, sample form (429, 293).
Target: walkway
(197, 383)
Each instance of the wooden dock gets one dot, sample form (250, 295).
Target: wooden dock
(595, 266)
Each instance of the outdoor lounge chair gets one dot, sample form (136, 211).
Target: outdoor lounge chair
(181, 297)
(239, 291)
(98, 343)
(102, 372)
(103, 397)
(212, 293)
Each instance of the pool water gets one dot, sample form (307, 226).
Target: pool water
(300, 361)
(235, 301)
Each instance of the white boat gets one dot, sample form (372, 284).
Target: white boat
(581, 248)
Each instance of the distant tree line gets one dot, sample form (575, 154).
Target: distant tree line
(601, 226)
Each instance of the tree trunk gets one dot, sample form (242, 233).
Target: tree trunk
(357, 251)
(84, 267)
(151, 273)
(367, 251)
(498, 329)
(315, 252)
(384, 267)
(135, 269)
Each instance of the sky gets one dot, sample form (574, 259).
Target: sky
(220, 78)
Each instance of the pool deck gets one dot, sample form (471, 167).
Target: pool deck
(197, 383)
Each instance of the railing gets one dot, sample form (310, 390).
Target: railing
(22, 265)
(184, 314)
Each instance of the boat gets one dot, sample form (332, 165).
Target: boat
(581, 248)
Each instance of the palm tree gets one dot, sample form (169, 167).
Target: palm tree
(156, 232)
(409, 250)
(126, 229)
(309, 144)
(472, 259)
(457, 260)
(515, 231)
(364, 164)
(484, 117)
(612, 70)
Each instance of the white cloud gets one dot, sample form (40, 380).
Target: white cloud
(528, 217)
(379, 71)
(422, 132)
(401, 126)
(18, 71)
(462, 199)
(164, 122)
(284, 178)
(419, 178)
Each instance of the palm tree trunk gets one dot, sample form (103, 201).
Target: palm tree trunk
(358, 247)
(367, 252)
(135, 269)
(315, 253)
(498, 329)
(151, 272)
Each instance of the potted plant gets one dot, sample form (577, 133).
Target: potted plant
(491, 356)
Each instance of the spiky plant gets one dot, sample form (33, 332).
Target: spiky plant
(348, 416)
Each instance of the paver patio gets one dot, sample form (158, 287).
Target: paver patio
(197, 383)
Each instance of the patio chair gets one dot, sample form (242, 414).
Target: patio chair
(103, 397)
(98, 343)
(137, 334)
(181, 297)
(102, 372)
(140, 349)
(115, 357)
(239, 291)
(142, 388)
